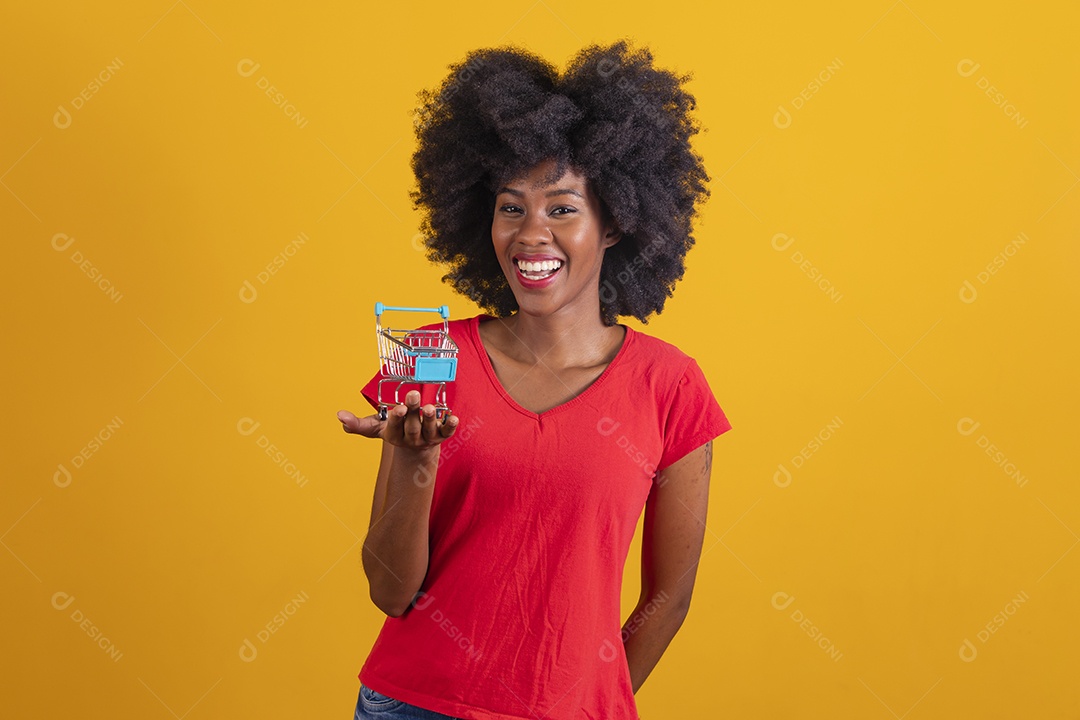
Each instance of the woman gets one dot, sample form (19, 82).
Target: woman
(499, 533)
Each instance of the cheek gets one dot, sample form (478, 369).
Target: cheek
(498, 237)
(588, 244)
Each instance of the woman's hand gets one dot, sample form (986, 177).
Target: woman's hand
(407, 425)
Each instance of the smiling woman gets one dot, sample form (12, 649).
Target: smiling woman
(529, 214)
(612, 117)
(558, 203)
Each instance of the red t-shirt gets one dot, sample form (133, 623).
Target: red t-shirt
(531, 521)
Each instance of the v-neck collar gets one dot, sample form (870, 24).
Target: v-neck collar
(489, 369)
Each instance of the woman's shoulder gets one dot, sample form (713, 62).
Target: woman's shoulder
(659, 350)
(456, 326)
(674, 374)
(465, 328)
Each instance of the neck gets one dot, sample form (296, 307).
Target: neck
(563, 339)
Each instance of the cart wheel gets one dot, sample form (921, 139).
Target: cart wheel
(382, 412)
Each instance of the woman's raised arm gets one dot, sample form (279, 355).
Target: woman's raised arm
(395, 552)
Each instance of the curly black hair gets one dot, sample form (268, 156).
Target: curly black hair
(620, 122)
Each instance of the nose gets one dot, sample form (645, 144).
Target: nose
(533, 229)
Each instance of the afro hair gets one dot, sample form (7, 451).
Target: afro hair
(620, 122)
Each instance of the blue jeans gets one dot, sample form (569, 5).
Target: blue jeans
(372, 705)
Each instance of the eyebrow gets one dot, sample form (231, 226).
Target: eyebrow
(550, 193)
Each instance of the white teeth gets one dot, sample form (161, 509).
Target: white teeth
(544, 266)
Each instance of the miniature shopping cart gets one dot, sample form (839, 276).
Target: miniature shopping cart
(415, 356)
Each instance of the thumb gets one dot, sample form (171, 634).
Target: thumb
(366, 426)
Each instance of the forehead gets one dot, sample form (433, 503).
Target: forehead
(543, 175)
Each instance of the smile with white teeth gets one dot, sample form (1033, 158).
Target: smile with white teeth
(538, 270)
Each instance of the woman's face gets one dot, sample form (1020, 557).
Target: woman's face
(550, 239)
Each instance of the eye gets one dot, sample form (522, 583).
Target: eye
(510, 208)
(563, 210)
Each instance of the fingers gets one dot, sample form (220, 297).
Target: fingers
(411, 413)
(430, 426)
(448, 426)
(407, 424)
(367, 426)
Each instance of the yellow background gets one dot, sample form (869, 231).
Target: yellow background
(899, 538)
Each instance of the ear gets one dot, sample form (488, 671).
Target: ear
(612, 235)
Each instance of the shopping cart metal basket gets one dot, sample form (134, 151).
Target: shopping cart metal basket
(415, 356)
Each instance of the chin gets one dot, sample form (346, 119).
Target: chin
(532, 306)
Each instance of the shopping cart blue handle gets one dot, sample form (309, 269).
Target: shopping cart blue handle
(443, 310)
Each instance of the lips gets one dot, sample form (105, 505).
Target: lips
(537, 271)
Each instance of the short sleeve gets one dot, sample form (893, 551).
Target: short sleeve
(694, 417)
